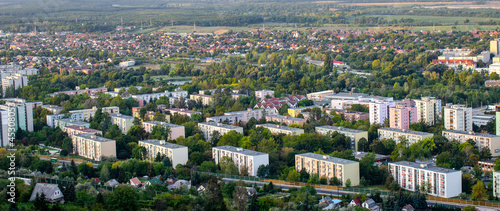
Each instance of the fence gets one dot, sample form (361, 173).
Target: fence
(464, 202)
(227, 176)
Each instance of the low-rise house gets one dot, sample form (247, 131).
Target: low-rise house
(52, 192)
(112, 183)
(180, 184)
(370, 204)
(135, 182)
(152, 182)
(408, 207)
(355, 202)
(202, 188)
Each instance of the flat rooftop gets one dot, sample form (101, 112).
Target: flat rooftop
(162, 124)
(181, 110)
(341, 129)
(83, 129)
(240, 150)
(121, 116)
(425, 167)
(405, 131)
(68, 120)
(93, 137)
(287, 117)
(279, 127)
(219, 125)
(487, 135)
(327, 158)
(165, 144)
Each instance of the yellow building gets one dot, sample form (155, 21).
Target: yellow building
(294, 112)
(328, 167)
(205, 99)
(93, 147)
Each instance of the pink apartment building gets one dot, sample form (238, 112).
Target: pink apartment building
(404, 114)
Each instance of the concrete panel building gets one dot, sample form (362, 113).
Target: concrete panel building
(354, 135)
(458, 117)
(279, 129)
(75, 129)
(404, 114)
(208, 128)
(17, 81)
(428, 109)
(205, 99)
(237, 116)
(410, 135)
(176, 131)
(21, 111)
(61, 123)
(177, 154)
(263, 93)
(93, 147)
(328, 167)
(441, 182)
(241, 157)
(319, 96)
(286, 119)
(294, 112)
(181, 111)
(482, 139)
(124, 122)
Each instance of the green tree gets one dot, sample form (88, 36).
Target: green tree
(123, 198)
(241, 196)
(213, 194)
(479, 191)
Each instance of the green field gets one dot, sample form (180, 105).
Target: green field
(433, 19)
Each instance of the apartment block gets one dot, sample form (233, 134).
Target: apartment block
(404, 114)
(286, 119)
(410, 135)
(4, 128)
(21, 111)
(241, 157)
(177, 154)
(379, 111)
(93, 147)
(86, 114)
(17, 81)
(61, 123)
(497, 123)
(351, 115)
(482, 139)
(458, 117)
(354, 135)
(52, 108)
(294, 112)
(176, 131)
(181, 111)
(263, 93)
(441, 182)
(89, 91)
(237, 116)
(496, 184)
(208, 128)
(319, 96)
(124, 122)
(428, 109)
(328, 167)
(74, 130)
(205, 99)
(280, 129)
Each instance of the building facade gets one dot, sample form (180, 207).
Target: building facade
(238, 116)
(410, 135)
(280, 129)
(379, 111)
(482, 139)
(177, 154)
(458, 117)
(181, 111)
(403, 115)
(328, 167)
(61, 123)
(428, 109)
(21, 111)
(93, 147)
(286, 119)
(124, 122)
(354, 135)
(176, 131)
(263, 93)
(241, 157)
(208, 128)
(205, 99)
(74, 130)
(436, 181)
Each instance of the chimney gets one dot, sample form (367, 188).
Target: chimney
(239, 149)
(325, 157)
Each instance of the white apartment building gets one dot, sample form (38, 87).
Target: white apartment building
(280, 129)
(457, 117)
(176, 131)
(410, 135)
(208, 128)
(4, 128)
(177, 154)
(441, 182)
(428, 109)
(17, 80)
(22, 112)
(482, 139)
(241, 157)
(379, 110)
(86, 114)
(75, 129)
(124, 122)
(238, 116)
(263, 93)
(354, 135)
(93, 147)
(52, 108)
